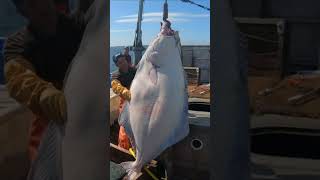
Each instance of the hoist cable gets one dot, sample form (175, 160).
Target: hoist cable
(191, 2)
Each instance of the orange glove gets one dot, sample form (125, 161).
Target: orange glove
(120, 90)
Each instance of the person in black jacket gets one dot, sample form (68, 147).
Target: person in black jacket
(121, 82)
(36, 61)
(127, 55)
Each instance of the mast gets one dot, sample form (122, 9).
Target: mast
(137, 45)
(165, 11)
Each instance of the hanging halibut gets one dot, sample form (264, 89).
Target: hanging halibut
(156, 116)
(78, 150)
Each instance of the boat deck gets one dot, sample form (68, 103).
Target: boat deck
(116, 171)
(14, 124)
(201, 92)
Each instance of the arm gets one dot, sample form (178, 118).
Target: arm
(83, 13)
(26, 87)
(80, 5)
(118, 89)
(129, 59)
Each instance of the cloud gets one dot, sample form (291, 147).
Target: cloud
(175, 14)
(178, 20)
(155, 14)
(150, 20)
(121, 30)
(157, 17)
(126, 20)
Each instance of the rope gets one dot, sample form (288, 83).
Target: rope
(189, 1)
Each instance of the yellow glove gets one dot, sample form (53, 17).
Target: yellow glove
(53, 105)
(23, 84)
(120, 90)
(26, 87)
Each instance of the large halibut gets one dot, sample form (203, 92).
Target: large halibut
(156, 116)
(78, 150)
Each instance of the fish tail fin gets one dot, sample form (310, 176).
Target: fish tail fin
(132, 171)
(153, 75)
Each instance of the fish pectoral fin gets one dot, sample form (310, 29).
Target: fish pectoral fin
(153, 59)
(153, 75)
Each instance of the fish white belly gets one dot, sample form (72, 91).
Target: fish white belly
(156, 116)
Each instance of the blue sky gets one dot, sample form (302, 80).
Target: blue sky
(192, 22)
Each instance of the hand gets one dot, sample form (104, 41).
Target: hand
(120, 90)
(53, 105)
(126, 94)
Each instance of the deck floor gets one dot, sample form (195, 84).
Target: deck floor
(202, 91)
(116, 171)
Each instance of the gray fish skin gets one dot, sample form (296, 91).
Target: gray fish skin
(230, 143)
(47, 165)
(78, 151)
(84, 146)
